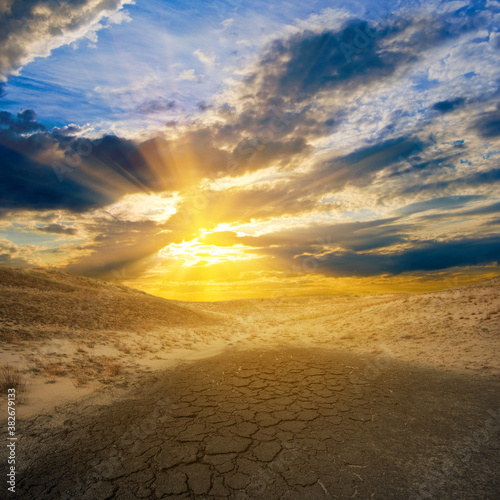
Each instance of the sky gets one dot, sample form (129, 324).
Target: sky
(231, 149)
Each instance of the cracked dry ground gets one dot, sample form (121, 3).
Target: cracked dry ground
(267, 424)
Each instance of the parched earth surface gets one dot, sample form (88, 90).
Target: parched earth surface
(283, 423)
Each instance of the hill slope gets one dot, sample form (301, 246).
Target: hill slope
(37, 301)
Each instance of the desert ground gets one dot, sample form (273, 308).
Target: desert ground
(125, 395)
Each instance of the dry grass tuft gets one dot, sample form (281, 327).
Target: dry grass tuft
(11, 378)
(123, 347)
(113, 368)
(53, 369)
(80, 378)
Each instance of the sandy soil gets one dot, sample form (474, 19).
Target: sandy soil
(455, 330)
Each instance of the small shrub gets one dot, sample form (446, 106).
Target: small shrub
(113, 368)
(53, 369)
(123, 348)
(80, 378)
(10, 378)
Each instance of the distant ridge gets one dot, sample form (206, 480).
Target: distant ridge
(37, 301)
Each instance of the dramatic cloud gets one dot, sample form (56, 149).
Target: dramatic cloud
(360, 53)
(427, 256)
(14, 255)
(24, 122)
(489, 177)
(488, 124)
(360, 167)
(58, 229)
(446, 203)
(42, 171)
(345, 147)
(33, 28)
(448, 105)
(121, 249)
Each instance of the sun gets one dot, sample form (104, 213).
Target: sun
(196, 253)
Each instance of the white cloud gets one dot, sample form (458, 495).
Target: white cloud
(189, 75)
(204, 57)
(38, 29)
(15, 255)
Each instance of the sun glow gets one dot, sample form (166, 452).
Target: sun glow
(195, 253)
(158, 207)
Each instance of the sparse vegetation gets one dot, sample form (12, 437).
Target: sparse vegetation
(108, 348)
(113, 368)
(80, 378)
(53, 369)
(41, 303)
(11, 378)
(123, 347)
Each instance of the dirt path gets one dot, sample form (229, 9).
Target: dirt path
(267, 424)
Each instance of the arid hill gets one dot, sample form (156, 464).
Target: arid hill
(37, 302)
(70, 331)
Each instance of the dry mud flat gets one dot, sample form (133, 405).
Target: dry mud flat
(284, 423)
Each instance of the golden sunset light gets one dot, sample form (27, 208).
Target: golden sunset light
(249, 250)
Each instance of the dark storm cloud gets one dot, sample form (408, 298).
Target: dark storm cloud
(272, 118)
(448, 105)
(488, 124)
(56, 170)
(291, 243)
(428, 166)
(428, 256)
(443, 203)
(308, 63)
(360, 167)
(378, 156)
(124, 158)
(43, 171)
(473, 180)
(31, 184)
(485, 210)
(279, 99)
(23, 122)
(358, 54)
